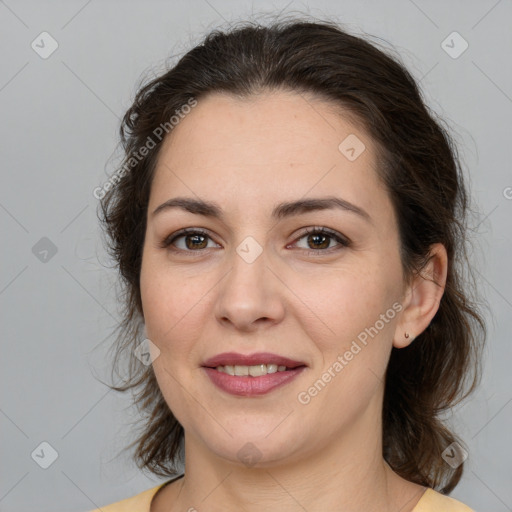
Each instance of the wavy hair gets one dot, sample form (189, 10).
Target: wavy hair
(420, 167)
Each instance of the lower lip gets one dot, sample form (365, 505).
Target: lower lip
(251, 386)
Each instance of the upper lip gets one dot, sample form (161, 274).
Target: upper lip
(232, 359)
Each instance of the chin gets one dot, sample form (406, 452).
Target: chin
(262, 444)
(257, 453)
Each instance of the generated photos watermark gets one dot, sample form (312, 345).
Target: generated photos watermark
(158, 133)
(304, 397)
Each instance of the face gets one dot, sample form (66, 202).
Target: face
(247, 281)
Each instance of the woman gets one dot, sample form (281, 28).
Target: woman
(289, 223)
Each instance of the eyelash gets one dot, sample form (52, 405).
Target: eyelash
(342, 240)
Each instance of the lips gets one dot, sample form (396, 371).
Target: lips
(232, 359)
(251, 386)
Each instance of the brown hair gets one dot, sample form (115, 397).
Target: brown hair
(419, 165)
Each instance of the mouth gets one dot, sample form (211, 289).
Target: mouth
(254, 365)
(248, 375)
(256, 370)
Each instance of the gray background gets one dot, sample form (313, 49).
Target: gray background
(60, 117)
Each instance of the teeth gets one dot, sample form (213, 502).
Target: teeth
(254, 371)
(241, 370)
(272, 368)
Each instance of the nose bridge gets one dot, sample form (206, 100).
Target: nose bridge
(249, 266)
(249, 291)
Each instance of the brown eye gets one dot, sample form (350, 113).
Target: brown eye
(319, 240)
(195, 240)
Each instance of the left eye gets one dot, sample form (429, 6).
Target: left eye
(320, 239)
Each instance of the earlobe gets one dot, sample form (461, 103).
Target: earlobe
(405, 340)
(423, 297)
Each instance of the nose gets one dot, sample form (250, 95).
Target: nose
(251, 294)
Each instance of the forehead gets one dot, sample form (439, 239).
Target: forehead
(270, 147)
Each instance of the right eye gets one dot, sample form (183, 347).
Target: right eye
(194, 240)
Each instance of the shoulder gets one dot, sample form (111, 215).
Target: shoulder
(138, 503)
(433, 501)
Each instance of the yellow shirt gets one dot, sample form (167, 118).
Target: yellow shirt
(431, 501)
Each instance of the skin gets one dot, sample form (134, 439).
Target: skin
(248, 156)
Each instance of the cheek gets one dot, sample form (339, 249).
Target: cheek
(171, 304)
(359, 320)
(355, 351)
(174, 303)
(347, 302)
(163, 301)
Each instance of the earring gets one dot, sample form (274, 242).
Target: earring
(407, 335)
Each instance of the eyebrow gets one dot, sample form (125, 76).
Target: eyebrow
(280, 211)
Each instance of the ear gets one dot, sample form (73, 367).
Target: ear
(422, 297)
